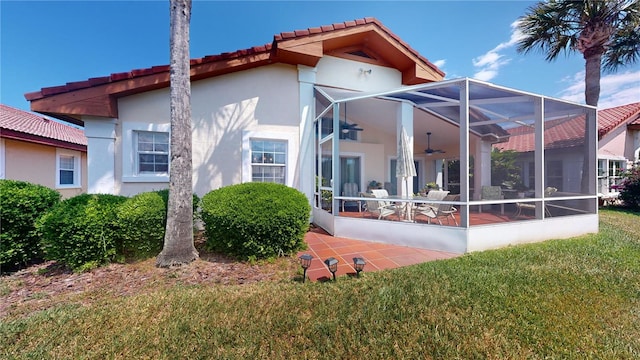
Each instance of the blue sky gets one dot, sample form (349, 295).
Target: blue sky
(50, 43)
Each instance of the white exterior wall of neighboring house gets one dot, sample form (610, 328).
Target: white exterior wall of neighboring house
(619, 146)
(613, 144)
(635, 145)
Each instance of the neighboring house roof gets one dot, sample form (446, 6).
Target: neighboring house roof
(22, 125)
(365, 39)
(563, 133)
(609, 119)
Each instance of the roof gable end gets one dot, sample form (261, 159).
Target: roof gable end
(98, 96)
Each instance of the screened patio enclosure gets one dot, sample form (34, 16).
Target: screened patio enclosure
(522, 164)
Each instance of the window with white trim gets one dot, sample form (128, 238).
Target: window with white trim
(268, 160)
(67, 169)
(145, 152)
(616, 171)
(152, 152)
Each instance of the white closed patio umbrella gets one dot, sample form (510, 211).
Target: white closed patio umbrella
(405, 167)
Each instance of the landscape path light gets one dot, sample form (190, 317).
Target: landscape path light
(358, 264)
(332, 264)
(305, 262)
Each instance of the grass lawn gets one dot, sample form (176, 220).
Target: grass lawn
(577, 298)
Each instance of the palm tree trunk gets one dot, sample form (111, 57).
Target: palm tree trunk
(178, 239)
(592, 77)
(591, 97)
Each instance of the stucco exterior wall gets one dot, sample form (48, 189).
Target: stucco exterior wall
(614, 144)
(36, 164)
(348, 74)
(261, 100)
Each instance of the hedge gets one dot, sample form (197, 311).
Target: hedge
(21, 204)
(255, 220)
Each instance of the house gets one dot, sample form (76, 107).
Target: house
(618, 146)
(36, 149)
(319, 108)
(618, 149)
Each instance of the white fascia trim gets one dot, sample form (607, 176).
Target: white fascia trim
(129, 173)
(77, 171)
(612, 157)
(292, 151)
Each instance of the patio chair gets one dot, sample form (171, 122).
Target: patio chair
(548, 192)
(441, 210)
(350, 189)
(383, 208)
(436, 195)
(492, 193)
(391, 188)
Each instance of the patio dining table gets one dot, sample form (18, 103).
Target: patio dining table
(407, 204)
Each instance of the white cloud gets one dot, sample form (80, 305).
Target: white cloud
(440, 63)
(490, 62)
(615, 89)
(485, 75)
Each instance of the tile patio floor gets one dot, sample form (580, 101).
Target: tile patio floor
(378, 256)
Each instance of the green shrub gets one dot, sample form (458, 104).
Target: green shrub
(142, 219)
(21, 204)
(630, 188)
(255, 220)
(82, 232)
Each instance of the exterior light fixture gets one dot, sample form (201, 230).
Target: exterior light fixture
(305, 262)
(358, 264)
(332, 264)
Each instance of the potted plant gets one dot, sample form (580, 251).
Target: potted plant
(432, 186)
(326, 196)
(373, 185)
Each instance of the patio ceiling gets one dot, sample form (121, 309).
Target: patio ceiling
(492, 110)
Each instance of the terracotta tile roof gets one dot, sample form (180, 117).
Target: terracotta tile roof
(563, 133)
(236, 57)
(609, 119)
(136, 73)
(28, 126)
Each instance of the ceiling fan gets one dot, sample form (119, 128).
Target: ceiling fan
(429, 151)
(345, 126)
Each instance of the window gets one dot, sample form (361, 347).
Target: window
(152, 152)
(260, 148)
(616, 169)
(145, 152)
(268, 161)
(67, 169)
(554, 174)
(610, 174)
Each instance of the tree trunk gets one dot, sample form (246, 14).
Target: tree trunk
(178, 239)
(592, 77)
(591, 96)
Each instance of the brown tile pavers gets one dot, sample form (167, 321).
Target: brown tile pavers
(378, 256)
